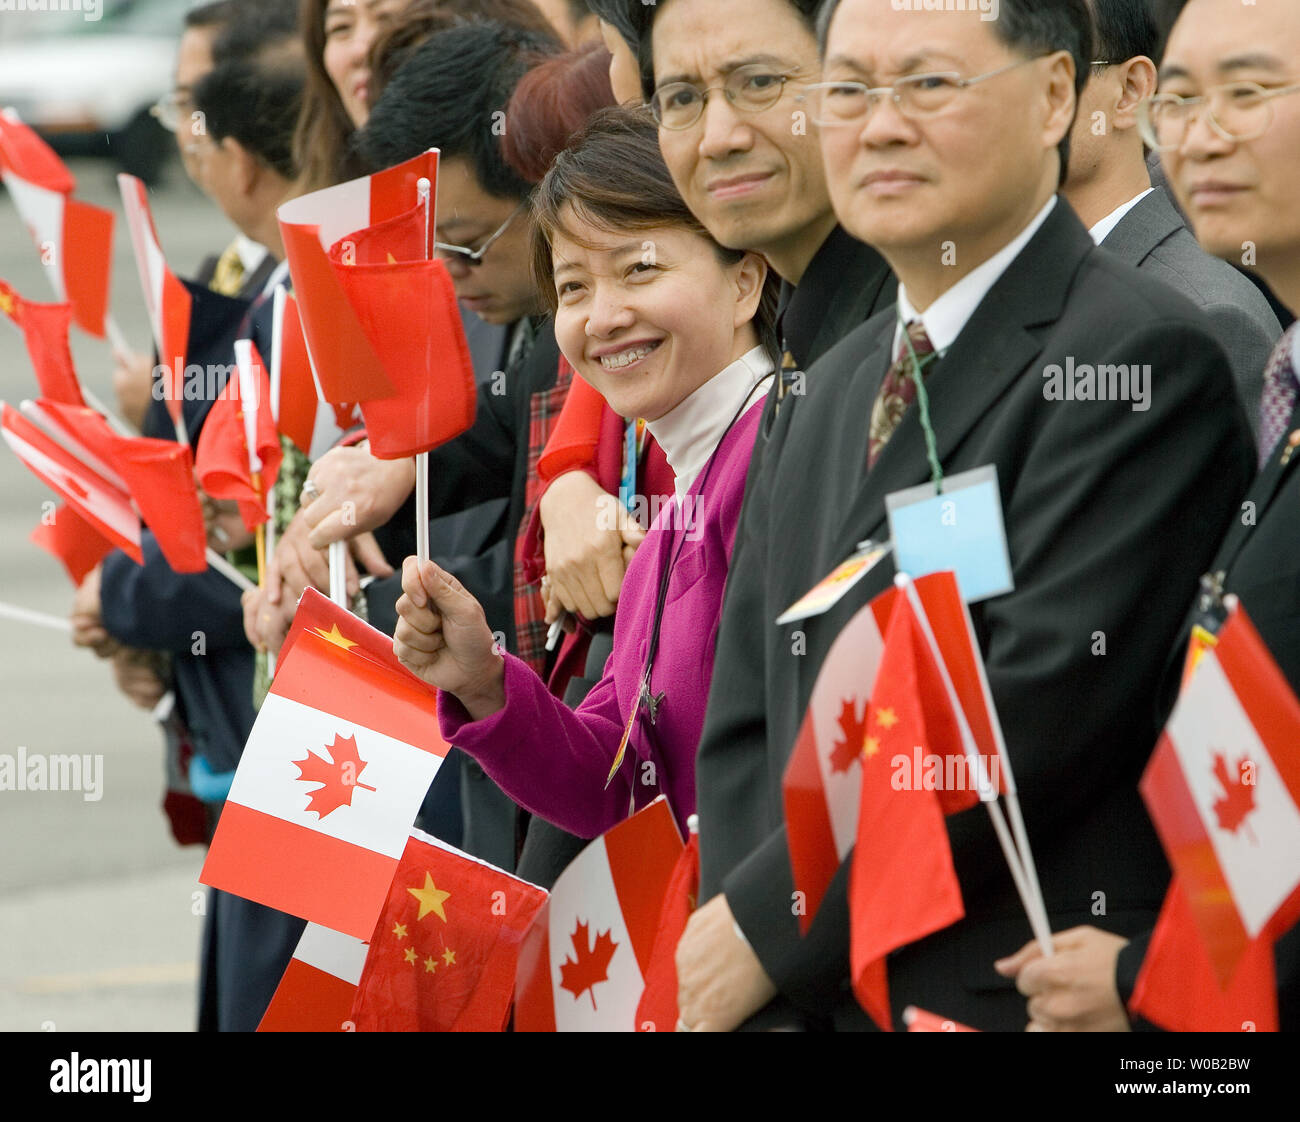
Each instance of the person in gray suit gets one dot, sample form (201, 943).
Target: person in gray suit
(1110, 187)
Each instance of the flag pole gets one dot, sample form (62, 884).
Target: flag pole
(116, 338)
(115, 422)
(277, 358)
(1033, 905)
(338, 574)
(227, 570)
(425, 189)
(40, 619)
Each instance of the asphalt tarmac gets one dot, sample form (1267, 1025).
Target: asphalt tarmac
(100, 910)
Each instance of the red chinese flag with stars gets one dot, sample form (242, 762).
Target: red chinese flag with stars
(341, 755)
(1223, 789)
(584, 963)
(45, 333)
(74, 239)
(443, 954)
(902, 841)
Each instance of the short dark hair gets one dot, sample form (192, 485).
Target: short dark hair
(1165, 13)
(448, 95)
(614, 176)
(214, 14)
(805, 9)
(1027, 26)
(249, 24)
(629, 19)
(254, 94)
(1124, 29)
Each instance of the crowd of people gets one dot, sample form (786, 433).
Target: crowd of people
(733, 272)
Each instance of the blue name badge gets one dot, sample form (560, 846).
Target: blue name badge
(960, 529)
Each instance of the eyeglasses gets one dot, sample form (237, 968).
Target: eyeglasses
(751, 89)
(473, 257)
(1239, 111)
(169, 109)
(834, 104)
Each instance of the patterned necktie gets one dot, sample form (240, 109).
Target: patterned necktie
(898, 390)
(1279, 400)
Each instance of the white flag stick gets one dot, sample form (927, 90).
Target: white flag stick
(425, 189)
(115, 422)
(227, 570)
(116, 338)
(338, 572)
(40, 619)
(1032, 903)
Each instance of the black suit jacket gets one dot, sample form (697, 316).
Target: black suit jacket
(1259, 561)
(1111, 516)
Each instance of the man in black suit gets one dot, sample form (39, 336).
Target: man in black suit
(1236, 180)
(1112, 192)
(1110, 509)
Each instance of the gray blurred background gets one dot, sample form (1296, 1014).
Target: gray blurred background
(99, 924)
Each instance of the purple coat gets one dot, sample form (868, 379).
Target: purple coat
(554, 760)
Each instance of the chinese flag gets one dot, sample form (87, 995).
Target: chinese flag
(74, 541)
(902, 841)
(228, 466)
(657, 1011)
(443, 954)
(45, 332)
(75, 239)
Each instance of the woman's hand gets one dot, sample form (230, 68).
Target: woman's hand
(136, 677)
(224, 524)
(87, 626)
(1074, 990)
(443, 638)
(133, 384)
(589, 540)
(354, 493)
(265, 624)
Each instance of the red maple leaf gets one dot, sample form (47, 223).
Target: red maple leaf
(1238, 797)
(849, 747)
(591, 964)
(340, 778)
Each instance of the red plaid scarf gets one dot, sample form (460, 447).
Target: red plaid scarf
(530, 614)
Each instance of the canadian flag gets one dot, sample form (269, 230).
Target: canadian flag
(166, 299)
(1223, 789)
(822, 786)
(319, 984)
(74, 239)
(582, 967)
(341, 755)
(103, 505)
(345, 364)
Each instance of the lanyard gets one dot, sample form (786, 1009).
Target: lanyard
(645, 698)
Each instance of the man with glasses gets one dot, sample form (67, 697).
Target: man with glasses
(945, 140)
(1110, 188)
(726, 80)
(1226, 123)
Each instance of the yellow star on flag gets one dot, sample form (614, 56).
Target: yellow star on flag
(886, 718)
(410, 955)
(431, 900)
(399, 929)
(335, 636)
(430, 966)
(449, 957)
(6, 303)
(870, 746)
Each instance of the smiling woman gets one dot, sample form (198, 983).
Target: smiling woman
(669, 326)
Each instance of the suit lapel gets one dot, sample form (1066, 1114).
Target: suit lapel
(990, 354)
(1143, 228)
(1262, 492)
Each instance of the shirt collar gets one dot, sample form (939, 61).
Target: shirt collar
(690, 432)
(251, 253)
(1106, 226)
(947, 317)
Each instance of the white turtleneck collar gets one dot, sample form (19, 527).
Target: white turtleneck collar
(691, 431)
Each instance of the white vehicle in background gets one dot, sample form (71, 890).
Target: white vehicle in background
(86, 85)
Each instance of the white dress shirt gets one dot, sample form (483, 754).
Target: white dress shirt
(1102, 230)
